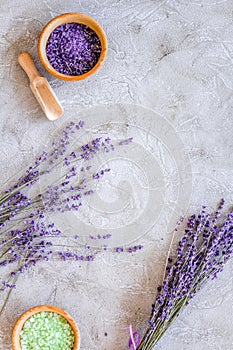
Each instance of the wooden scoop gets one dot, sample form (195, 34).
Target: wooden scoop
(41, 88)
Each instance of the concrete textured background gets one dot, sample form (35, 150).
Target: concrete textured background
(174, 60)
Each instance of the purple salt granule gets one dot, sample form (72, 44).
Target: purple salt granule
(73, 49)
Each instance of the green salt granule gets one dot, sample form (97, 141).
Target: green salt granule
(47, 331)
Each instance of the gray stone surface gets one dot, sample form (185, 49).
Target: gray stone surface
(174, 59)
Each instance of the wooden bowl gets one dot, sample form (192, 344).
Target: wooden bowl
(24, 317)
(72, 17)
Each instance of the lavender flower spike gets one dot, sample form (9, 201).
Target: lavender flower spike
(202, 252)
(26, 236)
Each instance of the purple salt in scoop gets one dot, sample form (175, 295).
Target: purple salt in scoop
(73, 49)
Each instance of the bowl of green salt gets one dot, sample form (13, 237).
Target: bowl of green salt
(45, 328)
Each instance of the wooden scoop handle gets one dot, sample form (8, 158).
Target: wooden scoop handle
(26, 62)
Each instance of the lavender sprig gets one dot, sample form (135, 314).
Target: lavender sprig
(26, 237)
(206, 246)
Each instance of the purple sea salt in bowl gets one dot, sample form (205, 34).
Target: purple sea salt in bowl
(73, 49)
(72, 46)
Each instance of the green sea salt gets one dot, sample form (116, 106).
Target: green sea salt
(47, 331)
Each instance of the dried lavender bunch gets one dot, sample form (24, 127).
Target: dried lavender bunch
(26, 236)
(14, 200)
(206, 246)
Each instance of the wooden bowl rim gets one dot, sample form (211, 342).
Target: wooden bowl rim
(82, 19)
(40, 308)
